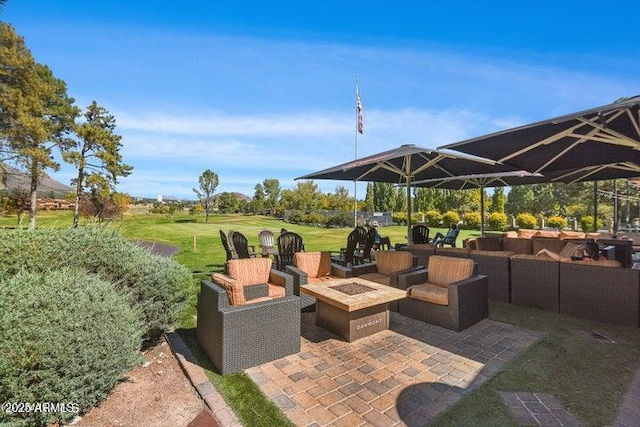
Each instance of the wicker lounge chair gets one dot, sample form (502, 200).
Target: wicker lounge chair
(449, 293)
(288, 244)
(313, 267)
(239, 324)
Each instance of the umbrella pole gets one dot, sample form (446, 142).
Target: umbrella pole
(409, 210)
(595, 206)
(482, 211)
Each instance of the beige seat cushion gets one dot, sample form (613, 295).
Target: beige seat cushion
(314, 264)
(445, 270)
(429, 292)
(376, 277)
(276, 291)
(388, 262)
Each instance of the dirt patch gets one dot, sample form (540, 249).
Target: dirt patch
(154, 394)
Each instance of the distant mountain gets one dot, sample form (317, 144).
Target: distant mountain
(11, 178)
(238, 195)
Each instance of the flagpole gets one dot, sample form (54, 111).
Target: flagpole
(355, 183)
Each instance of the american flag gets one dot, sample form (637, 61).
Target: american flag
(359, 112)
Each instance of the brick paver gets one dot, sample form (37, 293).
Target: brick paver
(538, 409)
(409, 374)
(629, 413)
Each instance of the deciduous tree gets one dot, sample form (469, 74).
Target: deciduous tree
(208, 183)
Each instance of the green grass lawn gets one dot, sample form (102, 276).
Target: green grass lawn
(589, 376)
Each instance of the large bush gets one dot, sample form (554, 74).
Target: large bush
(557, 222)
(526, 220)
(586, 222)
(472, 221)
(450, 217)
(158, 288)
(399, 218)
(433, 218)
(497, 221)
(66, 337)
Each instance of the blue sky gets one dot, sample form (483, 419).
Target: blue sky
(257, 90)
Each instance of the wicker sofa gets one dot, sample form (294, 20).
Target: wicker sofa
(244, 320)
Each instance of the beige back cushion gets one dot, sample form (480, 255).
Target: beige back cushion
(565, 234)
(445, 270)
(314, 264)
(526, 233)
(388, 262)
(250, 271)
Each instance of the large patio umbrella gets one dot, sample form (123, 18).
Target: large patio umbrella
(601, 135)
(482, 181)
(597, 173)
(406, 164)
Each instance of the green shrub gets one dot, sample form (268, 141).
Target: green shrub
(526, 220)
(65, 337)
(314, 218)
(399, 218)
(472, 221)
(296, 217)
(557, 222)
(450, 217)
(497, 221)
(341, 219)
(433, 218)
(157, 287)
(586, 222)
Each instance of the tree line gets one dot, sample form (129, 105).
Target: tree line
(550, 200)
(40, 121)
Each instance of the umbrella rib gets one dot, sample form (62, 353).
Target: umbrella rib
(545, 141)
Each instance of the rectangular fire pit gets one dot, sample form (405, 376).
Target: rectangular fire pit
(352, 308)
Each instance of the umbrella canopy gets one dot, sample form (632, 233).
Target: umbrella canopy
(601, 135)
(499, 179)
(597, 173)
(406, 164)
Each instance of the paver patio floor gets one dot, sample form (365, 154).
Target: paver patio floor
(408, 375)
